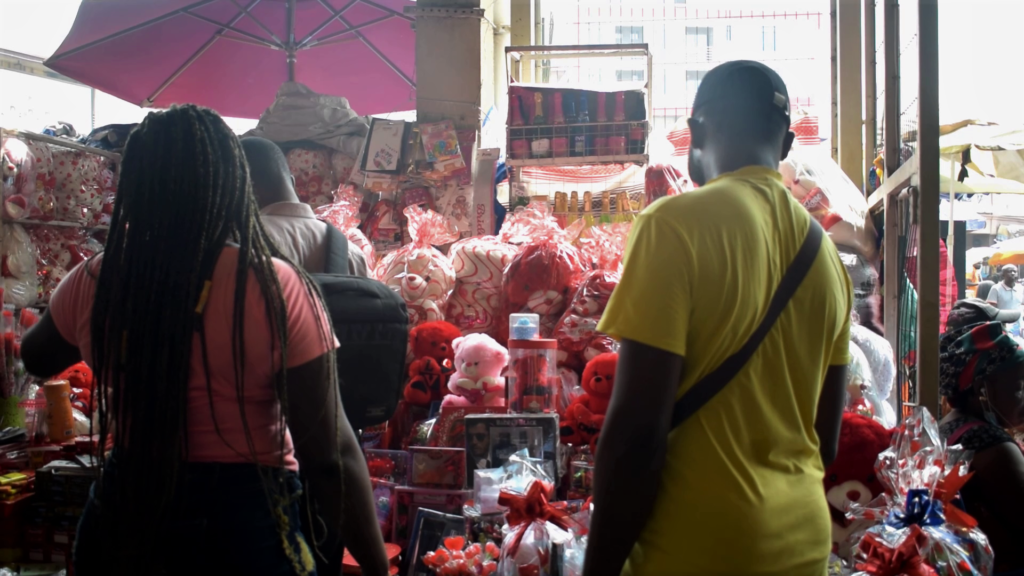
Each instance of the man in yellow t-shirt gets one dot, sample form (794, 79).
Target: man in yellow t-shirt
(737, 488)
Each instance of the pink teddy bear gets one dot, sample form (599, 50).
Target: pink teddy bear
(479, 360)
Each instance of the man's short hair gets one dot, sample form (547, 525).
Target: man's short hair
(267, 163)
(1008, 267)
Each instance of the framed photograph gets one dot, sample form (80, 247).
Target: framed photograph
(383, 150)
(506, 441)
(492, 438)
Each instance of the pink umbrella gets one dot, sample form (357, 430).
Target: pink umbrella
(232, 55)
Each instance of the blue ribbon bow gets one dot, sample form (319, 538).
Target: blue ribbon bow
(920, 510)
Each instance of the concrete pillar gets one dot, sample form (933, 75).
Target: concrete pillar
(455, 61)
(850, 99)
(870, 88)
(523, 30)
(502, 31)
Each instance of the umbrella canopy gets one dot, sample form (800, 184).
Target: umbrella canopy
(978, 254)
(976, 183)
(232, 55)
(1008, 252)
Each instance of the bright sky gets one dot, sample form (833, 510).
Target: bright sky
(981, 64)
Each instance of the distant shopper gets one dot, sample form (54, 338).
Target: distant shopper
(973, 279)
(291, 224)
(736, 488)
(1008, 294)
(982, 379)
(988, 271)
(985, 288)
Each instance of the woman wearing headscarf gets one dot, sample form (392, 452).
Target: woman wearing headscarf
(981, 376)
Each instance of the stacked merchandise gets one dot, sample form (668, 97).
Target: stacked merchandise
(57, 198)
(916, 524)
(47, 467)
(548, 125)
(487, 464)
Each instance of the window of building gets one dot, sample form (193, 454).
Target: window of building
(629, 75)
(693, 78)
(768, 38)
(699, 40)
(629, 34)
(728, 33)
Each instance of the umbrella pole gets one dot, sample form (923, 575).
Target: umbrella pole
(950, 230)
(290, 31)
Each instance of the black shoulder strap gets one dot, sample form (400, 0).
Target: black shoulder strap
(703, 391)
(337, 251)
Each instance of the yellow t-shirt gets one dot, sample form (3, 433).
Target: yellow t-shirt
(741, 492)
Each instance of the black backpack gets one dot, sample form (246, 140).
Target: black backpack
(372, 326)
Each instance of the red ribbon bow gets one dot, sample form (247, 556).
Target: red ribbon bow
(533, 507)
(904, 560)
(947, 491)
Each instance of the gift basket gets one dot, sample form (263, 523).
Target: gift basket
(917, 525)
(343, 214)
(420, 273)
(662, 180)
(20, 268)
(576, 331)
(533, 528)
(479, 263)
(542, 278)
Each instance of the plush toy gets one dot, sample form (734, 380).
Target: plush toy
(433, 355)
(477, 380)
(80, 378)
(578, 339)
(540, 280)
(585, 416)
(851, 477)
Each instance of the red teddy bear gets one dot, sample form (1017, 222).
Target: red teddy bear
(585, 416)
(432, 365)
(851, 477)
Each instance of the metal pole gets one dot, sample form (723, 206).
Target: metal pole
(851, 91)
(834, 13)
(892, 86)
(92, 109)
(870, 89)
(290, 35)
(928, 205)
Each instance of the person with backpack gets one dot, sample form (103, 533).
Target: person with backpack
(369, 319)
(291, 224)
(216, 385)
(727, 403)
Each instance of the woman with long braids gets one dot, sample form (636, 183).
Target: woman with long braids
(215, 378)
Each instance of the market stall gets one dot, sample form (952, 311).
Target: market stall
(486, 464)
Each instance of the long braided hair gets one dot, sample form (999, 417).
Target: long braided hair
(184, 193)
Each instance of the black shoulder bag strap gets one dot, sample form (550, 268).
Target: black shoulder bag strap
(337, 252)
(703, 391)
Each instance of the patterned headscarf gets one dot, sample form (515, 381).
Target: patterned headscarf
(972, 354)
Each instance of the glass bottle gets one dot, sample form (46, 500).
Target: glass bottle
(560, 132)
(540, 147)
(520, 145)
(620, 130)
(578, 129)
